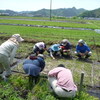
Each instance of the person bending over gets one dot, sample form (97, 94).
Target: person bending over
(65, 46)
(39, 48)
(33, 66)
(61, 81)
(54, 50)
(7, 53)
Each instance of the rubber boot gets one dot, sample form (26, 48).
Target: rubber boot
(31, 82)
(37, 78)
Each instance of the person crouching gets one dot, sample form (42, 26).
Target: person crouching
(54, 50)
(65, 46)
(82, 50)
(39, 48)
(61, 81)
(33, 66)
(7, 53)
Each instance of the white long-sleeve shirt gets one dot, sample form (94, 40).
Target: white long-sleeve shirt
(39, 45)
(9, 49)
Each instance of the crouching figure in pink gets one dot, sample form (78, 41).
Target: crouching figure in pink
(61, 81)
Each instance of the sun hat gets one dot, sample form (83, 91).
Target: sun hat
(81, 41)
(55, 47)
(40, 45)
(41, 55)
(64, 42)
(33, 56)
(18, 37)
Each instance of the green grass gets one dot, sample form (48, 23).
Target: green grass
(17, 89)
(91, 24)
(23, 17)
(51, 35)
(81, 20)
(17, 86)
(18, 83)
(76, 66)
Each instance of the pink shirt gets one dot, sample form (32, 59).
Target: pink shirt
(64, 78)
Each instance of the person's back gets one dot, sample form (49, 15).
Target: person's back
(64, 78)
(34, 66)
(7, 53)
(7, 47)
(39, 48)
(53, 50)
(41, 62)
(31, 62)
(61, 80)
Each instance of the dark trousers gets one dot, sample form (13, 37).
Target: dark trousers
(33, 80)
(86, 56)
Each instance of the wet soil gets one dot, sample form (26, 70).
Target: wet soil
(94, 91)
(44, 26)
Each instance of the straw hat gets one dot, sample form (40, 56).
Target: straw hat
(18, 37)
(81, 41)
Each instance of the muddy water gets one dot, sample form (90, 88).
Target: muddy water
(28, 25)
(94, 91)
(16, 62)
(70, 28)
(97, 30)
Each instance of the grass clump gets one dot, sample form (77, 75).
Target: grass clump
(43, 92)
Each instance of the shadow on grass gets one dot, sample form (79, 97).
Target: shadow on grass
(65, 57)
(43, 91)
(61, 98)
(85, 60)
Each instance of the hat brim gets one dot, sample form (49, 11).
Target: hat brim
(21, 39)
(56, 49)
(41, 55)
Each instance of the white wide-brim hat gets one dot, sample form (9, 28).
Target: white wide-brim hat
(81, 41)
(41, 55)
(55, 47)
(18, 37)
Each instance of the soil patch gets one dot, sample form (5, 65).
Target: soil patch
(94, 91)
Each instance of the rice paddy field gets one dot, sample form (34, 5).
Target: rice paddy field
(17, 86)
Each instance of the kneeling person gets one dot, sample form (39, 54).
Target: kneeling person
(61, 81)
(39, 48)
(65, 46)
(54, 50)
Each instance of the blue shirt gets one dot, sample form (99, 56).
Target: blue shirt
(33, 67)
(82, 49)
